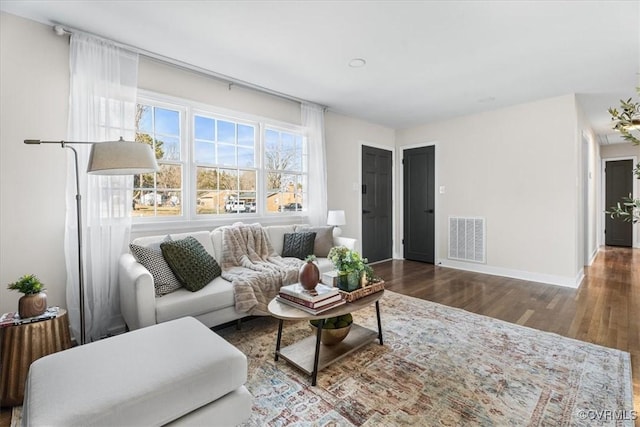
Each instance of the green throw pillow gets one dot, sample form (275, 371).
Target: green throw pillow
(298, 245)
(190, 262)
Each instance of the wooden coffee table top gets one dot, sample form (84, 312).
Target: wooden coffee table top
(286, 312)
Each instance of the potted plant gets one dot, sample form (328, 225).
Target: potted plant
(350, 266)
(335, 329)
(34, 301)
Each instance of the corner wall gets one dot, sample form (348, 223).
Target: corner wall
(518, 168)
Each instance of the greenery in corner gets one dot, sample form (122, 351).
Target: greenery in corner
(627, 119)
(627, 122)
(27, 284)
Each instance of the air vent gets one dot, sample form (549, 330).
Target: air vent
(467, 239)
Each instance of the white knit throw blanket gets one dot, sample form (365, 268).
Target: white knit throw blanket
(256, 271)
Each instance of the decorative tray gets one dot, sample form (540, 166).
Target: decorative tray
(362, 292)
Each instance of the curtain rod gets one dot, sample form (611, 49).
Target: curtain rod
(62, 30)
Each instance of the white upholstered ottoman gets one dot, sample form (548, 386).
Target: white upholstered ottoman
(177, 372)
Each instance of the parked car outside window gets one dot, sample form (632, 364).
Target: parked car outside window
(291, 207)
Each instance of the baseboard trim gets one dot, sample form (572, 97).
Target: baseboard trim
(549, 279)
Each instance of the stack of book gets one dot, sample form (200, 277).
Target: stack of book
(321, 299)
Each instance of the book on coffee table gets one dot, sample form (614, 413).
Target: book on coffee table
(313, 305)
(321, 292)
(309, 310)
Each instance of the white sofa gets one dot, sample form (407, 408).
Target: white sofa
(212, 305)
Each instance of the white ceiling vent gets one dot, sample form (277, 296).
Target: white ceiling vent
(467, 239)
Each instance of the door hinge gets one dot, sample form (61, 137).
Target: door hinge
(403, 241)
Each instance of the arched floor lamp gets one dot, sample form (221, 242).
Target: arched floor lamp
(106, 158)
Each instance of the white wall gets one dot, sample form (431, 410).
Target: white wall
(518, 168)
(588, 156)
(34, 83)
(169, 80)
(344, 138)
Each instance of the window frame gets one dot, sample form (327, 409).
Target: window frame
(188, 111)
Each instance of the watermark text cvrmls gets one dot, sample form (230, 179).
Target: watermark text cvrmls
(607, 415)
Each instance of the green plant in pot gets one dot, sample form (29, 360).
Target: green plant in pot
(350, 266)
(335, 329)
(34, 301)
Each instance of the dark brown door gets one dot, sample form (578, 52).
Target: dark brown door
(377, 240)
(618, 184)
(419, 203)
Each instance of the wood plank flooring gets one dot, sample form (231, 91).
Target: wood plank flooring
(604, 310)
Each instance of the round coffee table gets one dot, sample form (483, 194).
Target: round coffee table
(305, 354)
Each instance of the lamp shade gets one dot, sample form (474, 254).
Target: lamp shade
(121, 158)
(336, 218)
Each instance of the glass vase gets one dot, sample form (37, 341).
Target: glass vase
(349, 281)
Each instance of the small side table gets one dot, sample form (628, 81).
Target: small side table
(22, 345)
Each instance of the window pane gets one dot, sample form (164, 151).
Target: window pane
(246, 157)
(205, 152)
(204, 128)
(169, 177)
(206, 178)
(143, 118)
(143, 181)
(228, 179)
(168, 148)
(271, 140)
(274, 180)
(167, 121)
(209, 202)
(227, 155)
(246, 135)
(248, 181)
(226, 132)
(288, 142)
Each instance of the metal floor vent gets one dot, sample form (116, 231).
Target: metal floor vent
(467, 239)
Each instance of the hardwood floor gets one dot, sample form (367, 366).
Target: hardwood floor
(604, 310)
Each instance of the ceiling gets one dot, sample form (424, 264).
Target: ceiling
(425, 60)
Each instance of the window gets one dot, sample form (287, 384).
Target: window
(160, 193)
(285, 163)
(213, 164)
(225, 159)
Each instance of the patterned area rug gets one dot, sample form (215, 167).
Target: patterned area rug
(439, 366)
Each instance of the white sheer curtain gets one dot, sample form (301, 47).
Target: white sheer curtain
(313, 120)
(102, 105)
